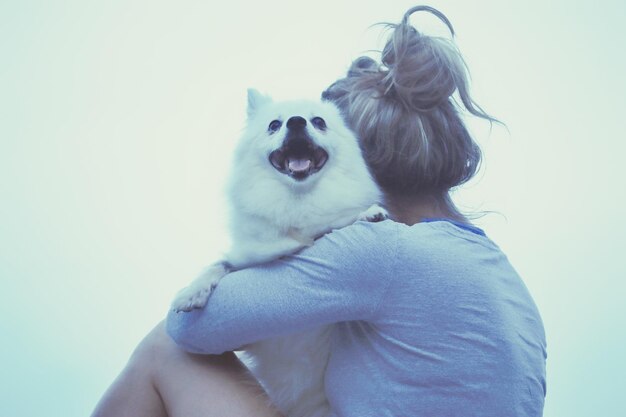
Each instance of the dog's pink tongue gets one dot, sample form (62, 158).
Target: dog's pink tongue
(299, 164)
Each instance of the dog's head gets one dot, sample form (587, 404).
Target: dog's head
(296, 139)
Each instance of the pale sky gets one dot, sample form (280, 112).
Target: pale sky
(117, 120)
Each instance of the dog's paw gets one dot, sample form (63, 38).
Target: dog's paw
(197, 294)
(374, 214)
(191, 297)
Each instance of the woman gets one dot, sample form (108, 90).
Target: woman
(431, 319)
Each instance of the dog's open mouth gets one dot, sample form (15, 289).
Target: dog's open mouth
(298, 165)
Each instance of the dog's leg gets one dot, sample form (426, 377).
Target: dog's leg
(374, 214)
(197, 293)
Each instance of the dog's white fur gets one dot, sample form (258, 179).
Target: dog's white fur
(272, 215)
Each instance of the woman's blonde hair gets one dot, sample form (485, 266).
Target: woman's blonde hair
(405, 115)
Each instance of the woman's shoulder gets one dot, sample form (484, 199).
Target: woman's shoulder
(358, 240)
(368, 231)
(426, 233)
(391, 242)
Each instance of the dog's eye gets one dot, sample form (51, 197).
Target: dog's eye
(319, 123)
(274, 126)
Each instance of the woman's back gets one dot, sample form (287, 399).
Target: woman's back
(455, 333)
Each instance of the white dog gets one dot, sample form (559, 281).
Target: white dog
(299, 174)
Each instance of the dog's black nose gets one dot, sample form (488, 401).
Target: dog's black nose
(296, 122)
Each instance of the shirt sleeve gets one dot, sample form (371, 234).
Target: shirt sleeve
(342, 277)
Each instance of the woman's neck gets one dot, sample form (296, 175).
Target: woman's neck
(414, 209)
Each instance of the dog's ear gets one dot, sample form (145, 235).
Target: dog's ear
(256, 100)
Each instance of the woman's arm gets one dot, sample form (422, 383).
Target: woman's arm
(342, 277)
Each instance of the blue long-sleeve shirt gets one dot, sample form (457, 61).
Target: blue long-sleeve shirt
(431, 320)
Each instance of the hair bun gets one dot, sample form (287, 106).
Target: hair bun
(423, 71)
